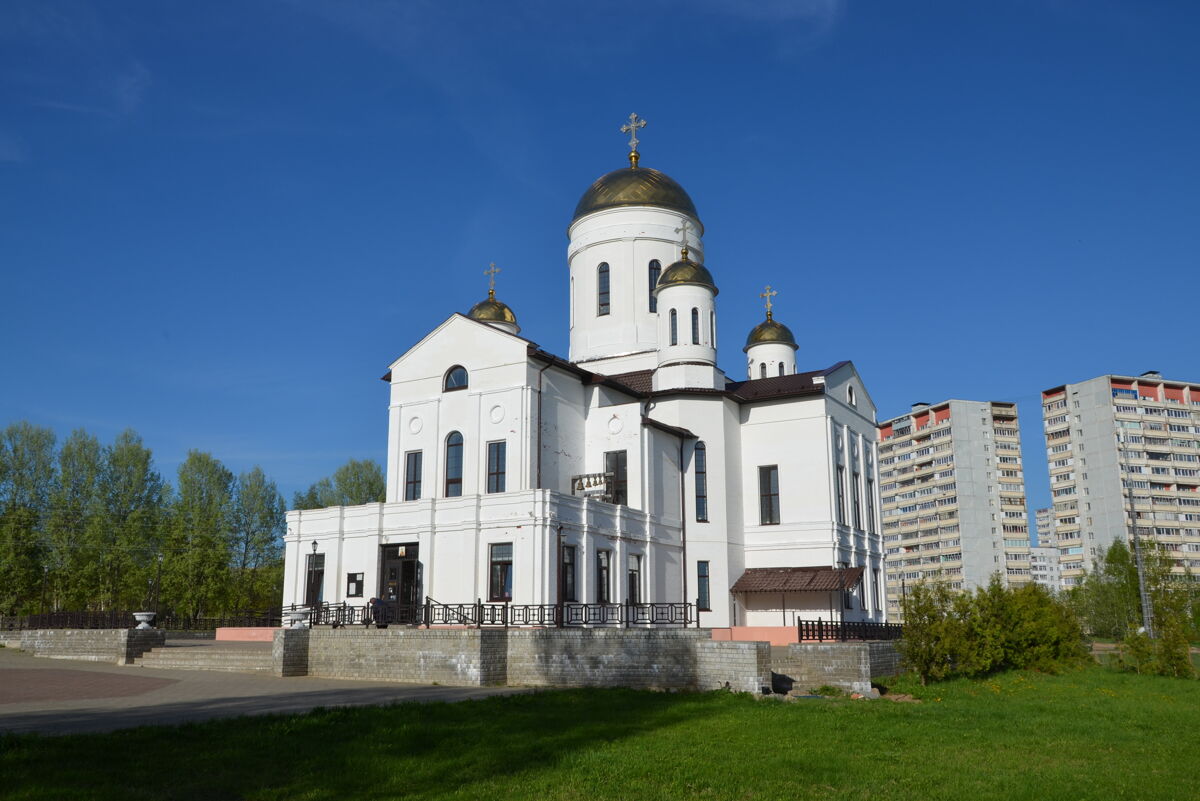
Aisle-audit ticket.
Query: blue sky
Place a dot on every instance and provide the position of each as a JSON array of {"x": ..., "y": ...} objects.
[{"x": 220, "y": 222}]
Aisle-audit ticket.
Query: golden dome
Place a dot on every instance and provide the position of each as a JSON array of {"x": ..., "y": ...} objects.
[
  {"x": 493, "y": 311},
  {"x": 635, "y": 186},
  {"x": 686, "y": 271},
  {"x": 770, "y": 331}
]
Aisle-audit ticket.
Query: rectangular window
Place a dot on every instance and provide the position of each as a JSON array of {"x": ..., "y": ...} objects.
[
  {"x": 354, "y": 585},
  {"x": 655, "y": 272},
  {"x": 496, "y": 457},
  {"x": 701, "y": 464},
  {"x": 500, "y": 584},
  {"x": 841, "y": 495},
  {"x": 568, "y": 573},
  {"x": 616, "y": 463},
  {"x": 857, "y": 503},
  {"x": 633, "y": 589},
  {"x": 871, "y": 509},
  {"x": 603, "y": 577},
  {"x": 412, "y": 476},
  {"x": 768, "y": 494},
  {"x": 702, "y": 597}
]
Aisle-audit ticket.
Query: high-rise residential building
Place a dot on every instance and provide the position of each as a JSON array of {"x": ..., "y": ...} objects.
[
  {"x": 1044, "y": 520},
  {"x": 1043, "y": 564},
  {"x": 953, "y": 497},
  {"x": 1116, "y": 440}
]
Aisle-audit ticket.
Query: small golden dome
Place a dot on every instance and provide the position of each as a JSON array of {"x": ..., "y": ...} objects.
[
  {"x": 635, "y": 186},
  {"x": 686, "y": 271},
  {"x": 493, "y": 311},
  {"x": 770, "y": 331}
]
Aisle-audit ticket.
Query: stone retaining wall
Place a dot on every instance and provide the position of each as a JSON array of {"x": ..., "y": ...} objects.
[
  {"x": 639, "y": 658},
  {"x": 847, "y": 665},
  {"x": 119, "y": 646}
]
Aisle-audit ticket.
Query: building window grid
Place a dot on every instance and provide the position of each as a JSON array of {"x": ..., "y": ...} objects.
[
  {"x": 412, "y": 475},
  {"x": 654, "y": 272},
  {"x": 496, "y": 457},
  {"x": 701, "y": 470},
  {"x": 500, "y": 558},
  {"x": 768, "y": 493},
  {"x": 602, "y": 290}
]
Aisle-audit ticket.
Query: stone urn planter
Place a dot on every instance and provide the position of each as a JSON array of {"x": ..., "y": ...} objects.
[
  {"x": 295, "y": 618},
  {"x": 144, "y": 619}
]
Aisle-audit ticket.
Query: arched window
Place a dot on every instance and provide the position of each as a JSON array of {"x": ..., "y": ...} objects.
[
  {"x": 454, "y": 464},
  {"x": 456, "y": 378},
  {"x": 762, "y": 369},
  {"x": 781, "y": 368},
  {"x": 695, "y": 326},
  {"x": 701, "y": 466},
  {"x": 674, "y": 329},
  {"x": 850, "y": 395},
  {"x": 712, "y": 328},
  {"x": 602, "y": 289},
  {"x": 655, "y": 272}
]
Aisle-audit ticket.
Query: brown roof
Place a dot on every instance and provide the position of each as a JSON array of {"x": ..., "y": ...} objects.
[
  {"x": 638, "y": 380},
  {"x": 798, "y": 579}
]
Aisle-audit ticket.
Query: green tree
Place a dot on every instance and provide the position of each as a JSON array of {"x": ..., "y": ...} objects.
[
  {"x": 196, "y": 568},
  {"x": 75, "y": 523},
  {"x": 1107, "y": 600},
  {"x": 356, "y": 482},
  {"x": 135, "y": 513},
  {"x": 27, "y": 472},
  {"x": 258, "y": 524},
  {"x": 930, "y": 630}
]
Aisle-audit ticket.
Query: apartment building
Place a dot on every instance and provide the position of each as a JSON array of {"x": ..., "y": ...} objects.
[
  {"x": 953, "y": 497},
  {"x": 1044, "y": 520},
  {"x": 1116, "y": 440},
  {"x": 1043, "y": 565}
]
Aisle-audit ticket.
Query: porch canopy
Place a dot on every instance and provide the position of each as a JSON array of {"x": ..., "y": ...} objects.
[{"x": 798, "y": 579}]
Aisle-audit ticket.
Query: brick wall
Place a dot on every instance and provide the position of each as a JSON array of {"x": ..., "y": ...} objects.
[
  {"x": 463, "y": 657},
  {"x": 119, "y": 646},
  {"x": 847, "y": 665}
]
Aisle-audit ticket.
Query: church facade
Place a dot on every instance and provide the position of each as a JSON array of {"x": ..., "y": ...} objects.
[{"x": 632, "y": 471}]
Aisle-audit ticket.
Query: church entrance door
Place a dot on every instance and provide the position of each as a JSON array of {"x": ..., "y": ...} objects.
[{"x": 400, "y": 574}]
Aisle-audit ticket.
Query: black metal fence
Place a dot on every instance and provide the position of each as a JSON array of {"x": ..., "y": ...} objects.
[
  {"x": 840, "y": 631},
  {"x": 480, "y": 614},
  {"x": 121, "y": 619},
  {"x": 430, "y": 613}
]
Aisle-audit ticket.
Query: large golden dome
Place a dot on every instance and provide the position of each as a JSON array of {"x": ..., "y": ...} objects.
[
  {"x": 686, "y": 271},
  {"x": 635, "y": 186},
  {"x": 770, "y": 330},
  {"x": 493, "y": 311}
]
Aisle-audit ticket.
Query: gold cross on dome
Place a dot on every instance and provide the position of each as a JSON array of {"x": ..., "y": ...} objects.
[
  {"x": 631, "y": 128},
  {"x": 490, "y": 272},
  {"x": 770, "y": 293}
]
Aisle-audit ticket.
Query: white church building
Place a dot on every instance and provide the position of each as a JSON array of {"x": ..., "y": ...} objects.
[{"x": 632, "y": 471}]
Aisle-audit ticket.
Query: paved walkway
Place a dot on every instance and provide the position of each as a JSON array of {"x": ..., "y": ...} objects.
[{"x": 58, "y": 696}]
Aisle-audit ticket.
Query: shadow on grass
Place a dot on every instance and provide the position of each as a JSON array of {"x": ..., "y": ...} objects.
[{"x": 411, "y": 750}]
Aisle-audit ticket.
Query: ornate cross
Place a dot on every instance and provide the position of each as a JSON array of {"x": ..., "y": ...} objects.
[
  {"x": 770, "y": 293},
  {"x": 631, "y": 128},
  {"x": 491, "y": 274},
  {"x": 685, "y": 225}
]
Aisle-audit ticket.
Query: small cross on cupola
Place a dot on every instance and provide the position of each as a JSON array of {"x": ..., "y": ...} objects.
[
  {"x": 768, "y": 294},
  {"x": 631, "y": 128},
  {"x": 490, "y": 272}
]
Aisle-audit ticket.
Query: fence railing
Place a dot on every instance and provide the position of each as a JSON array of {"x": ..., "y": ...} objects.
[
  {"x": 430, "y": 613},
  {"x": 840, "y": 631},
  {"x": 122, "y": 619}
]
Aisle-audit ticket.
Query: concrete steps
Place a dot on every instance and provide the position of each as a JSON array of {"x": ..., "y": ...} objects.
[{"x": 235, "y": 657}]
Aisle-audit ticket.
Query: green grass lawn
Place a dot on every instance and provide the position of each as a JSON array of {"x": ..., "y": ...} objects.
[{"x": 1089, "y": 734}]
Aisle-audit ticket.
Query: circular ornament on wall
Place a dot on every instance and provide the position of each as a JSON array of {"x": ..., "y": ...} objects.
[
  {"x": 615, "y": 425},
  {"x": 496, "y": 414},
  {"x": 414, "y": 425}
]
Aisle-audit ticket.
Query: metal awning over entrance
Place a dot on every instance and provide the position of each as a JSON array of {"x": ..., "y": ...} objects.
[{"x": 798, "y": 579}]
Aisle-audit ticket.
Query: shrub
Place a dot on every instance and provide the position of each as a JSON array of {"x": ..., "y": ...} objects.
[{"x": 993, "y": 628}]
